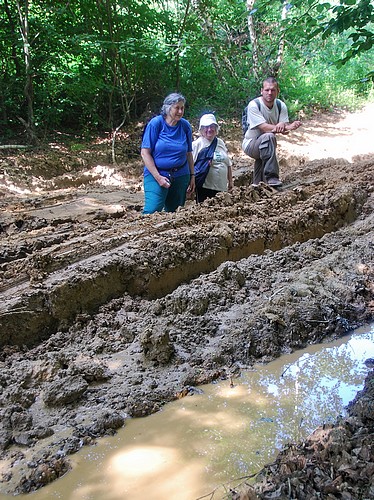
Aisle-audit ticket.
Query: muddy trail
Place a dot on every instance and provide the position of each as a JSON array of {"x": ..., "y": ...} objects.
[{"x": 106, "y": 314}]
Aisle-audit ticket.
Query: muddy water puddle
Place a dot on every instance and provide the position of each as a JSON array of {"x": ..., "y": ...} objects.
[{"x": 207, "y": 442}]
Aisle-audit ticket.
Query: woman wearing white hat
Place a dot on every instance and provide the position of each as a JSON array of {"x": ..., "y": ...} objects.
[{"x": 219, "y": 177}]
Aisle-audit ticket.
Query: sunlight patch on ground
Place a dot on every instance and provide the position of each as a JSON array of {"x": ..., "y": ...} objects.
[
  {"x": 137, "y": 471},
  {"x": 15, "y": 189},
  {"x": 139, "y": 461},
  {"x": 106, "y": 176},
  {"x": 346, "y": 138},
  {"x": 224, "y": 419}
]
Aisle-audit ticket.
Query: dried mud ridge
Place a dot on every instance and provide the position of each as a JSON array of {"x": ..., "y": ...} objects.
[{"x": 110, "y": 317}]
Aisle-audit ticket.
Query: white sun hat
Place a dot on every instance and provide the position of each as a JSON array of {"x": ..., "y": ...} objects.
[{"x": 208, "y": 119}]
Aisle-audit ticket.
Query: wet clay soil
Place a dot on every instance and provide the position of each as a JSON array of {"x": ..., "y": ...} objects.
[{"x": 107, "y": 314}]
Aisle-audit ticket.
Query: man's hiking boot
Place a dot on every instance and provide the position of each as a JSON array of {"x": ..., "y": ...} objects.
[{"x": 274, "y": 182}]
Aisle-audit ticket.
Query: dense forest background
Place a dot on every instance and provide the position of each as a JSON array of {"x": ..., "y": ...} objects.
[{"x": 94, "y": 65}]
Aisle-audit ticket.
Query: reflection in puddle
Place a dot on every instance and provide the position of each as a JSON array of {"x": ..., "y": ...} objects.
[{"x": 200, "y": 442}]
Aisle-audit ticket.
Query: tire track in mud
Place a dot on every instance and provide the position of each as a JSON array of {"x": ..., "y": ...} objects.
[{"x": 151, "y": 256}]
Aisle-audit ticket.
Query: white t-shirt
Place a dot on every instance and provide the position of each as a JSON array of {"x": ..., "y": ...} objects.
[
  {"x": 217, "y": 175},
  {"x": 263, "y": 115}
]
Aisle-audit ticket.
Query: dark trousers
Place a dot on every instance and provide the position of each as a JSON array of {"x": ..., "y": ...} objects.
[{"x": 204, "y": 193}]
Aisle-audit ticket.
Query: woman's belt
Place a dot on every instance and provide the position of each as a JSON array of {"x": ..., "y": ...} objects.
[{"x": 171, "y": 170}]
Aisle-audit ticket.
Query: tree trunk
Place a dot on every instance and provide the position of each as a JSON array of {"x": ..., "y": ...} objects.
[
  {"x": 217, "y": 59},
  {"x": 13, "y": 30},
  {"x": 282, "y": 42},
  {"x": 178, "y": 48},
  {"x": 28, "y": 88},
  {"x": 253, "y": 38}
]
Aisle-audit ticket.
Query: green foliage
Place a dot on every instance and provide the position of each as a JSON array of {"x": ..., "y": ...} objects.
[
  {"x": 313, "y": 81},
  {"x": 353, "y": 16},
  {"x": 96, "y": 64}
]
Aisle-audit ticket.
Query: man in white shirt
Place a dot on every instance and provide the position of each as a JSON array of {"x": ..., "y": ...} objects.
[{"x": 267, "y": 116}]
